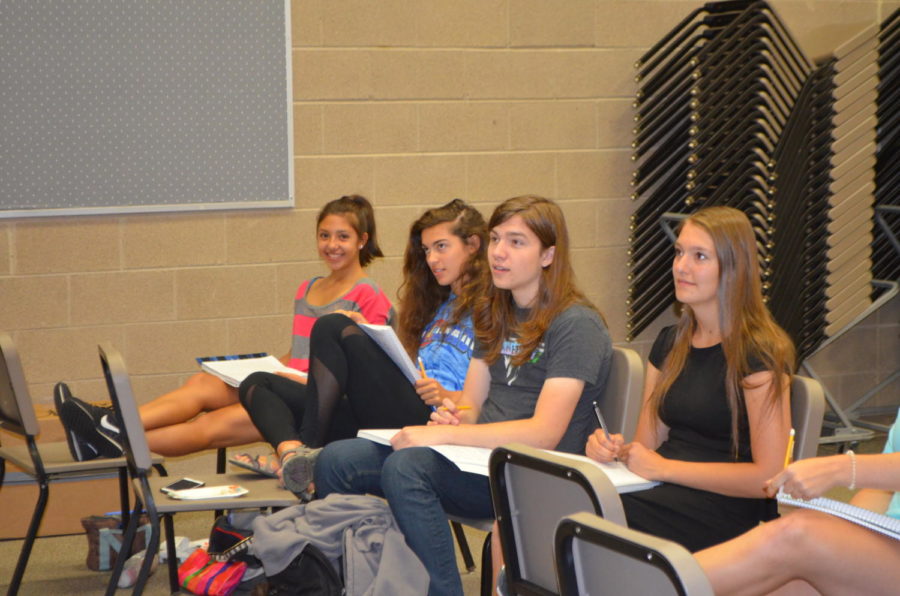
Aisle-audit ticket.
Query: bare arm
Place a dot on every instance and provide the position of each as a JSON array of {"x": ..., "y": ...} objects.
[
  {"x": 810, "y": 478},
  {"x": 552, "y": 414},
  {"x": 769, "y": 429}
]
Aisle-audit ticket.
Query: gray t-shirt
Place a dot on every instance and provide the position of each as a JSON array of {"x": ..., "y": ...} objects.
[{"x": 577, "y": 346}]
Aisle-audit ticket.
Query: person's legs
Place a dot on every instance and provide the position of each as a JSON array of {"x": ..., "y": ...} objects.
[
  {"x": 422, "y": 487},
  {"x": 202, "y": 392},
  {"x": 825, "y": 553},
  {"x": 346, "y": 361},
  {"x": 351, "y": 466},
  {"x": 275, "y": 404},
  {"x": 225, "y": 427}
]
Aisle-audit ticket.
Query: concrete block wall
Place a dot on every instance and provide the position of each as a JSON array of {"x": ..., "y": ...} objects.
[{"x": 411, "y": 103}]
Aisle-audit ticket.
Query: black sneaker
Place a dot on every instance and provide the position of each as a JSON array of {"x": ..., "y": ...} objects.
[
  {"x": 92, "y": 425},
  {"x": 80, "y": 449}
]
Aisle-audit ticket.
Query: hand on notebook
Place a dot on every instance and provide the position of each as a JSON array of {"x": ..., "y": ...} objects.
[
  {"x": 642, "y": 461},
  {"x": 812, "y": 477},
  {"x": 602, "y": 447}
]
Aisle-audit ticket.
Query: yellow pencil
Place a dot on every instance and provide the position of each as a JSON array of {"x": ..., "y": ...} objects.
[
  {"x": 422, "y": 368},
  {"x": 458, "y": 408},
  {"x": 790, "y": 449}
]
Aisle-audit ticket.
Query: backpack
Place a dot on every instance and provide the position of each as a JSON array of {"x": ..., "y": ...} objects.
[{"x": 309, "y": 574}]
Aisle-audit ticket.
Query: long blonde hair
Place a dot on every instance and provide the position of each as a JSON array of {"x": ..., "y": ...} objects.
[
  {"x": 495, "y": 315},
  {"x": 747, "y": 327}
]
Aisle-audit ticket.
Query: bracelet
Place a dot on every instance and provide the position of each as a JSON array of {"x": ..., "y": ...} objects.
[{"x": 852, "y": 485}]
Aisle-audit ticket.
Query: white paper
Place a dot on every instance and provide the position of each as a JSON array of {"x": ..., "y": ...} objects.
[
  {"x": 387, "y": 340},
  {"x": 235, "y": 371}
]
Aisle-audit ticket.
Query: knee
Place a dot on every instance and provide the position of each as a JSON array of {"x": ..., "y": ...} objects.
[
  {"x": 341, "y": 464},
  {"x": 407, "y": 470},
  {"x": 245, "y": 391},
  {"x": 796, "y": 532},
  {"x": 329, "y": 326}
]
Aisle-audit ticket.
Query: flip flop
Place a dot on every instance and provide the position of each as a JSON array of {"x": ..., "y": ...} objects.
[{"x": 256, "y": 463}]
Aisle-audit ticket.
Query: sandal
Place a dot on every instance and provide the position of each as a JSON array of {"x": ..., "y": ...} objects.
[
  {"x": 266, "y": 465},
  {"x": 297, "y": 466}
]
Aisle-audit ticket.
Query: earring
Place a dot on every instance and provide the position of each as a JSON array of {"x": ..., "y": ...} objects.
[{"x": 360, "y": 246}]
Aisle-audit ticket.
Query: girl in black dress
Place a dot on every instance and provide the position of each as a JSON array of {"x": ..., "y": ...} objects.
[{"x": 716, "y": 416}]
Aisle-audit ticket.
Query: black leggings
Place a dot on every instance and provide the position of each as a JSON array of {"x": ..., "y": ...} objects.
[{"x": 352, "y": 384}]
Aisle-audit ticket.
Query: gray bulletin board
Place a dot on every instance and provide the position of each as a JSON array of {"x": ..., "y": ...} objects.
[{"x": 117, "y": 106}]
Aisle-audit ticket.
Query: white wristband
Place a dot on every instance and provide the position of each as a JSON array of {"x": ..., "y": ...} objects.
[{"x": 852, "y": 485}]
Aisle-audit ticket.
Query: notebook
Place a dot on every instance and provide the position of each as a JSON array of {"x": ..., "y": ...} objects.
[
  {"x": 235, "y": 370},
  {"x": 883, "y": 524},
  {"x": 387, "y": 340},
  {"x": 475, "y": 460}
]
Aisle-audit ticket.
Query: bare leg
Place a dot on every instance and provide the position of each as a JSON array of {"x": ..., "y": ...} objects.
[
  {"x": 225, "y": 427},
  {"x": 202, "y": 392},
  {"x": 827, "y": 554}
]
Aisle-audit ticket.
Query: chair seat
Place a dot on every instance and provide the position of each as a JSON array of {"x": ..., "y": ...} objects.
[
  {"x": 262, "y": 493},
  {"x": 485, "y": 525},
  {"x": 57, "y": 460}
]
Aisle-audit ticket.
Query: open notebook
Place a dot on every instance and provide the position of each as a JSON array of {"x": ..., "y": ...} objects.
[
  {"x": 475, "y": 460},
  {"x": 233, "y": 371},
  {"x": 888, "y": 526}
]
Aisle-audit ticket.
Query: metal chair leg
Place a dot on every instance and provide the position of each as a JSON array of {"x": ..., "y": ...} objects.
[
  {"x": 33, "y": 528},
  {"x": 487, "y": 567},
  {"x": 464, "y": 550}
]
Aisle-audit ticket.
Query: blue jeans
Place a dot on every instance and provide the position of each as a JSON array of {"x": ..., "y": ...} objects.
[{"x": 420, "y": 485}]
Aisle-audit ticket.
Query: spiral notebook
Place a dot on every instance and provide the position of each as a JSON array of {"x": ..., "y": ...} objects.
[{"x": 869, "y": 519}]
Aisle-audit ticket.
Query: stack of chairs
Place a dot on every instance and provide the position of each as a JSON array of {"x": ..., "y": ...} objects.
[
  {"x": 730, "y": 112},
  {"x": 714, "y": 98},
  {"x": 886, "y": 243}
]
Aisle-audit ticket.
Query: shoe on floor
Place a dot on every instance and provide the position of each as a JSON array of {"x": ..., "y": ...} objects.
[{"x": 89, "y": 428}]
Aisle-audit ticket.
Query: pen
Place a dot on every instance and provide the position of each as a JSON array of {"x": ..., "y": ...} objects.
[
  {"x": 790, "y": 449},
  {"x": 602, "y": 422}
]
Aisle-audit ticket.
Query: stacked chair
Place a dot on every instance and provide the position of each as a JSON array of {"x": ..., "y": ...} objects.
[
  {"x": 886, "y": 246},
  {"x": 729, "y": 111},
  {"x": 714, "y": 98}
]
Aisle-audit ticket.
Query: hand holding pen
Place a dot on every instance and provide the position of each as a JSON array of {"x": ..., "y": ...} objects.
[
  {"x": 602, "y": 446},
  {"x": 447, "y": 413}
]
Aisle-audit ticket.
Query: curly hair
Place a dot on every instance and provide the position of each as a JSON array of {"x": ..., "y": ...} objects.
[{"x": 420, "y": 294}]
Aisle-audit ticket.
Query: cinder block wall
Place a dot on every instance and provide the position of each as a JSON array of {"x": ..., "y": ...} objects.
[{"x": 411, "y": 103}]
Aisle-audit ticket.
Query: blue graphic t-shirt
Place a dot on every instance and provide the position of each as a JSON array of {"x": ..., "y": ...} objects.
[
  {"x": 893, "y": 446},
  {"x": 446, "y": 349}
]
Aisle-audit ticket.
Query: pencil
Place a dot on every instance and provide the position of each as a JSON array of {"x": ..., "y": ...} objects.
[
  {"x": 458, "y": 408},
  {"x": 790, "y": 449},
  {"x": 422, "y": 368}
]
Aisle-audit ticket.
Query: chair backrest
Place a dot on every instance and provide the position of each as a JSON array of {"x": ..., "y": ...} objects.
[
  {"x": 137, "y": 451},
  {"x": 594, "y": 555},
  {"x": 16, "y": 409},
  {"x": 621, "y": 399},
  {"x": 531, "y": 491},
  {"x": 807, "y": 414}
]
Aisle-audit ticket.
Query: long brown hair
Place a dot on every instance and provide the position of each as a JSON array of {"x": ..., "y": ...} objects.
[
  {"x": 362, "y": 220},
  {"x": 495, "y": 313},
  {"x": 747, "y": 327},
  {"x": 420, "y": 293}
]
